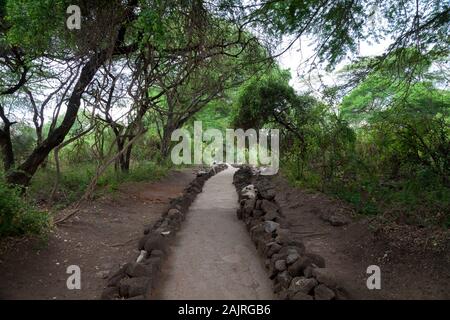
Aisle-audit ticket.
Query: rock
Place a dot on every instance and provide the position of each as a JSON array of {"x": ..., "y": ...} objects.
[
  {"x": 280, "y": 265},
  {"x": 298, "y": 267},
  {"x": 301, "y": 296},
  {"x": 110, "y": 293},
  {"x": 154, "y": 263},
  {"x": 269, "y": 207},
  {"x": 308, "y": 272},
  {"x": 277, "y": 288},
  {"x": 316, "y": 259},
  {"x": 175, "y": 214},
  {"x": 249, "y": 192},
  {"x": 322, "y": 292},
  {"x": 249, "y": 205},
  {"x": 154, "y": 242},
  {"x": 116, "y": 276},
  {"x": 139, "y": 270},
  {"x": 257, "y": 213},
  {"x": 268, "y": 194},
  {"x": 324, "y": 276},
  {"x": 272, "y": 216},
  {"x": 291, "y": 258},
  {"x": 273, "y": 248},
  {"x": 284, "y": 236},
  {"x": 157, "y": 253},
  {"x": 131, "y": 287},
  {"x": 270, "y": 226},
  {"x": 283, "y": 295},
  {"x": 284, "y": 279},
  {"x": 141, "y": 297},
  {"x": 302, "y": 284}
]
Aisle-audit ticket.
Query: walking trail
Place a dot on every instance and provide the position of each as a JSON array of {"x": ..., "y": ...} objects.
[{"x": 213, "y": 257}]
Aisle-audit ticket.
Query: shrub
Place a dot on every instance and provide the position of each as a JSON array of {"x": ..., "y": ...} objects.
[{"x": 17, "y": 217}]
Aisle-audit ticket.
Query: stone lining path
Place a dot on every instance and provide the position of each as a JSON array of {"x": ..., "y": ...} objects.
[{"x": 213, "y": 257}]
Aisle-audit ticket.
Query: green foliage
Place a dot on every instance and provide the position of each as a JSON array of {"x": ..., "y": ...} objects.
[{"x": 18, "y": 217}]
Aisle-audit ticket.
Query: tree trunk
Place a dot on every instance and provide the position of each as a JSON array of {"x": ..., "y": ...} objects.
[
  {"x": 28, "y": 168},
  {"x": 6, "y": 147}
]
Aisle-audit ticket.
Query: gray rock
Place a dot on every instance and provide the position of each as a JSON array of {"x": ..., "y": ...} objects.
[
  {"x": 308, "y": 272},
  {"x": 301, "y": 296},
  {"x": 157, "y": 253},
  {"x": 139, "y": 270},
  {"x": 284, "y": 279},
  {"x": 249, "y": 205},
  {"x": 257, "y": 213},
  {"x": 280, "y": 265},
  {"x": 292, "y": 257},
  {"x": 297, "y": 268},
  {"x": 302, "y": 284},
  {"x": 269, "y": 207},
  {"x": 132, "y": 287},
  {"x": 325, "y": 276},
  {"x": 322, "y": 292},
  {"x": 268, "y": 194},
  {"x": 273, "y": 248},
  {"x": 270, "y": 226},
  {"x": 110, "y": 293},
  {"x": 116, "y": 276}
]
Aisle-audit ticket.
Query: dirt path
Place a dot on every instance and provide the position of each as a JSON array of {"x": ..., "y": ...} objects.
[
  {"x": 213, "y": 257},
  {"x": 102, "y": 236},
  {"x": 349, "y": 250}
]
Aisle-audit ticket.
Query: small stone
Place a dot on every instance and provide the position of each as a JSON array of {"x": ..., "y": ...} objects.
[
  {"x": 274, "y": 248},
  {"x": 131, "y": 287},
  {"x": 270, "y": 226},
  {"x": 322, "y": 292},
  {"x": 284, "y": 279},
  {"x": 110, "y": 293},
  {"x": 292, "y": 257},
  {"x": 269, "y": 207},
  {"x": 297, "y": 268},
  {"x": 325, "y": 276},
  {"x": 302, "y": 284},
  {"x": 280, "y": 265},
  {"x": 139, "y": 270},
  {"x": 308, "y": 272},
  {"x": 301, "y": 296}
]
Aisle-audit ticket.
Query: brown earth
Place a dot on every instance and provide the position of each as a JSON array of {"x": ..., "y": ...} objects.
[
  {"x": 410, "y": 268},
  {"x": 101, "y": 236}
]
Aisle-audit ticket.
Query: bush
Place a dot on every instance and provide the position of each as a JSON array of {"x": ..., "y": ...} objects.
[{"x": 17, "y": 217}]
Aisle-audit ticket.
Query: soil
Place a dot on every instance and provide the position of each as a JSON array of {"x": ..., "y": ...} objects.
[
  {"x": 101, "y": 236},
  {"x": 408, "y": 270},
  {"x": 213, "y": 256}
]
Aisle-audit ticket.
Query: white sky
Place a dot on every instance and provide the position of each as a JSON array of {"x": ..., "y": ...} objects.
[{"x": 303, "y": 49}]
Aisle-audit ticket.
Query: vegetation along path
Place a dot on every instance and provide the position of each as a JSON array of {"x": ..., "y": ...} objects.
[{"x": 213, "y": 257}]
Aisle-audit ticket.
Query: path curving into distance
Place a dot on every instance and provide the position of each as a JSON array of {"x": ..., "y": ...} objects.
[{"x": 213, "y": 256}]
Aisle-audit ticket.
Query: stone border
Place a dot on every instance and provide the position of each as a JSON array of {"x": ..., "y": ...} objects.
[
  {"x": 137, "y": 280},
  {"x": 296, "y": 273}
]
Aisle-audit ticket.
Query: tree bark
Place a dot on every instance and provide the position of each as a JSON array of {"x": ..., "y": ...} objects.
[{"x": 27, "y": 169}]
